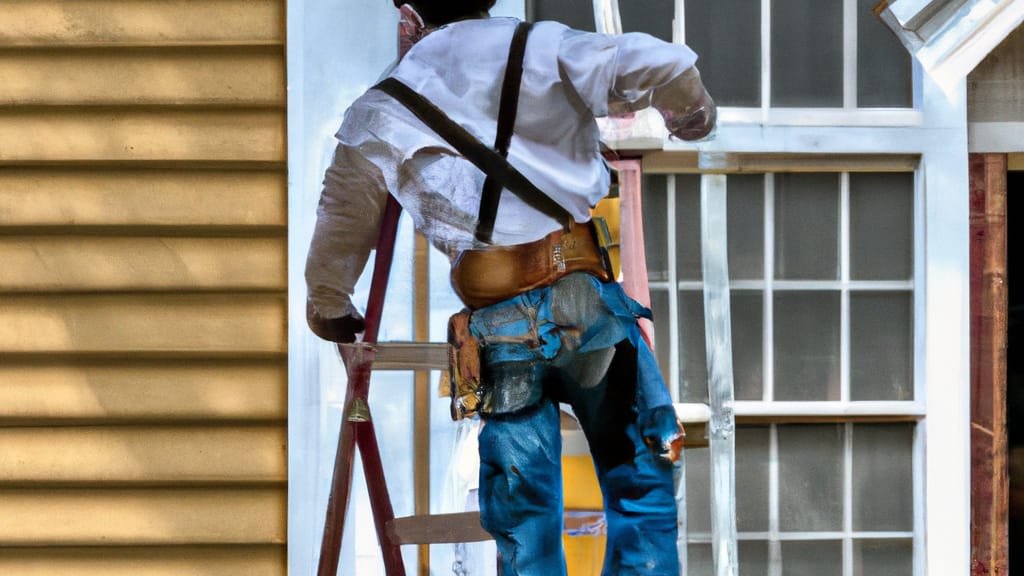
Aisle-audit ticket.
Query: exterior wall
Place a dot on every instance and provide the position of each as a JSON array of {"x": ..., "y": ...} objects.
[
  {"x": 995, "y": 91},
  {"x": 996, "y": 86},
  {"x": 143, "y": 288}
]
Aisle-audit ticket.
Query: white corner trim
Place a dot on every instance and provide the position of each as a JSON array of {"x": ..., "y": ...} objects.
[
  {"x": 963, "y": 40},
  {"x": 995, "y": 137}
]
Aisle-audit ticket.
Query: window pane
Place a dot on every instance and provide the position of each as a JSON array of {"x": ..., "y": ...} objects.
[
  {"x": 699, "y": 557},
  {"x": 747, "y": 345},
  {"x": 753, "y": 557},
  {"x": 810, "y": 478},
  {"x": 745, "y": 224},
  {"x": 806, "y": 333},
  {"x": 698, "y": 493},
  {"x": 693, "y": 366},
  {"x": 881, "y": 346},
  {"x": 654, "y": 17},
  {"x": 883, "y": 557},
  {"x": 813, "y": 558},
  {"x": 655, "y": 213},
  {"x": 807, "y": 226},
  {"x": 881, "y": 226},
  {"x": 883, "y": 477},
  {"x": 688, "y": 260},
  {"x": 662, "y": 342},
  {"x": 730, "y": 68},
  {"x": 883, "y": 65},
  {"x": 573, "y": 13},
  {"x": 751, "y": 479},
  {"x": 751, "y": 483},
  {"x": 807, "y": 53}
]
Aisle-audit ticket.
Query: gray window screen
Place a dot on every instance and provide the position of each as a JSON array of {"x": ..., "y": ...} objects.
[
  {"x": 807, "y": 54},
  {"x": 883, "y": 65},
  {"x": 654, "y": 17},
  {"x": 726, "y": 34},
  {"x": 577, "y": 14}
]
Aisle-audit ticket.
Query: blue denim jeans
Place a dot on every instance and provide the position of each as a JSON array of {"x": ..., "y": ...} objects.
[{"x": 576, "y": 342}]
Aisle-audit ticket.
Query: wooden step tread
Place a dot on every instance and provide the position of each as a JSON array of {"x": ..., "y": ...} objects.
[{"x": 437, "y": 529}]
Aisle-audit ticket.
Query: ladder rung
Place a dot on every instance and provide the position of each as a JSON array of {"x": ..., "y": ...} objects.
[
  {"x": 437, "y": 529},
  {"x": 411, "y": 356}
]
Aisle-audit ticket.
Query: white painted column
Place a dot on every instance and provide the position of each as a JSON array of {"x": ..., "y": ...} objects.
[{"x": 718, "y": 330}]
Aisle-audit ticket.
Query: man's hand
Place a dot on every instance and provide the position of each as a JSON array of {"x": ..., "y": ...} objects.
[
  {"x": 698, "y": 123},
  {"x": 342, "y": 330},
  {"x": 689, "y": 112}
]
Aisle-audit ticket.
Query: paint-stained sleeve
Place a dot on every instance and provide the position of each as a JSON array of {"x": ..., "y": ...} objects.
[
  {"x": 615, "y": 74},
  {"x": 620, "y": 71},
  {"x": 348, "y": 222}
]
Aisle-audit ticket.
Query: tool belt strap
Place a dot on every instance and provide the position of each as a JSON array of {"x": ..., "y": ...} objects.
[
  {"x": 499, "y": 172},
  {"x": 490, "y": 275}
]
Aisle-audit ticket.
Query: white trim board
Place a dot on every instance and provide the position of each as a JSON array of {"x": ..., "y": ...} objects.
[{"x": 995, "y": 137}]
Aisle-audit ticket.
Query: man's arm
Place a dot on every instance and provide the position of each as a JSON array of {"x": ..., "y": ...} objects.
[
  {"x": 348, "y": 223},
  {"x": 627, "y": 72}
]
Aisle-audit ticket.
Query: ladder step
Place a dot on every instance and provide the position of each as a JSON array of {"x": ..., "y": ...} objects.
[
  {"x": 411, "y": 356},
  {"x": 437, "y": 529}
]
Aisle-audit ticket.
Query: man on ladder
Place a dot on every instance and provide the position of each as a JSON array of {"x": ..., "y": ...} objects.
[{"x": 546, "y": 322}]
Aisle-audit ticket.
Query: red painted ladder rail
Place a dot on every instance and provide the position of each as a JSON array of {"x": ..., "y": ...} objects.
[{"x": 357, "y": 431}]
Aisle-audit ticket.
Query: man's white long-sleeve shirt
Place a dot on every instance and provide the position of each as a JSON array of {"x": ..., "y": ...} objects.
[{"x": 569, "y": 78}]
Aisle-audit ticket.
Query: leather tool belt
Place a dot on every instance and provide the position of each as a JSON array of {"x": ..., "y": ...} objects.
[{"x": 490, "y": 275}]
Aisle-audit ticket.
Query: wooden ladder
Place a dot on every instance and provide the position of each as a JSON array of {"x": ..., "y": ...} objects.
[{"x": 357, "y": 430}]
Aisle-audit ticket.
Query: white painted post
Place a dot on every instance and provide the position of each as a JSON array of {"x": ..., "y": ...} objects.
[{"x": 717, "y": 319}]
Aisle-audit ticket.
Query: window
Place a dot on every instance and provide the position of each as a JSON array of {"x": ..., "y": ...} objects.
[
  {"x": 821, "y": 269},
  {"x": 822, "y": 306}
]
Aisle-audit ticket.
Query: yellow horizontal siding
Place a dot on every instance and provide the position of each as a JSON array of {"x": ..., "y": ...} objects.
[
  {"x": 158, "y": 516},
  {"x": 116, "y": 76},
  {"x": 160, "y": 391},
  {"x": 143, "y": 325},
  {"x": 144, "y": 561},
  {"x": 143, "y": 455},
  {"x": 103, "y": 22},
  {"x": 148, "y": 135},
  {"x": 51, "y": 196},
  {"x": 160, "y": 323},
  {"x": 101, "y": 263}
]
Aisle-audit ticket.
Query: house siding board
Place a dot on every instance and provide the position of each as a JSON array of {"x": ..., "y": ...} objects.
[
  {"x": 144, "y": 561},
  {"x": 41, "y": 391},
  {"x": 86, "y": 197},
  {"x": 143, "y": 215}
]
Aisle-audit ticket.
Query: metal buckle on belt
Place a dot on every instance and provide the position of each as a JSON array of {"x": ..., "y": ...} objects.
[{"x": 558, "y": 257}]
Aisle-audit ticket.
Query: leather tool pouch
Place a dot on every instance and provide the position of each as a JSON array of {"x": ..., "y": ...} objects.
[{"x": 463, "y": 367}]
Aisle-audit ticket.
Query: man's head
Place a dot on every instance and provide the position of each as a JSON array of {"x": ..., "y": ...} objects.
[{"x": 441, "y": 12}]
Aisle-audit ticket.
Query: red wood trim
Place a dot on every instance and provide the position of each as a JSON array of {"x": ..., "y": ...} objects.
[{"x": 989, "y": 480}]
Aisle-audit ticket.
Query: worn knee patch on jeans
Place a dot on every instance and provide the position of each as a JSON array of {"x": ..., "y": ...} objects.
[{"x": 511, "y": 386}]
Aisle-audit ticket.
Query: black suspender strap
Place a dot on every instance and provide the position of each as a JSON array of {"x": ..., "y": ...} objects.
[
  {"x": 491, "y": 162},
  {"x": 507, "y": 108}
]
